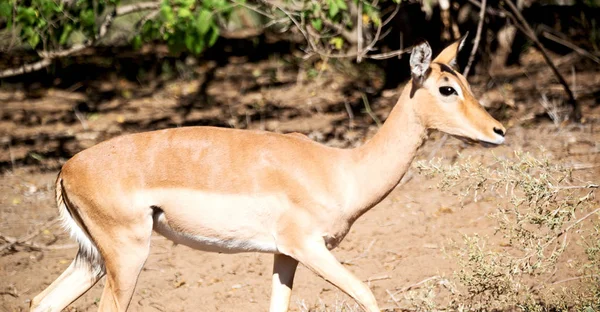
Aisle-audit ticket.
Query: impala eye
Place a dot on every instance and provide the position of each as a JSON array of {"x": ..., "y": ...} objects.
[{"x": 448, "y": 91}]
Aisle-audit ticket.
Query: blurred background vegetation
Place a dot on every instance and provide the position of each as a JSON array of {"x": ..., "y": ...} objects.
[{"x": 34, "y": 34}]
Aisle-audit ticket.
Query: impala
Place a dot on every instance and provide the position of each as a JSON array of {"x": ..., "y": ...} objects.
[{"x": 230, "y": 191}]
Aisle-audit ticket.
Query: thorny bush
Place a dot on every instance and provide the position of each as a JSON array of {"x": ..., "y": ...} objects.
[{"x": 542, "y": 213}]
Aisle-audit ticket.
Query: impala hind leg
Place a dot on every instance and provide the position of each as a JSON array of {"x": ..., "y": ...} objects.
[
  {"x": 124, "y": 258},
  {"x": 70, "y": 285},
  {"x": 319, "y": 259},
  {"x": 284, "y": 269}
]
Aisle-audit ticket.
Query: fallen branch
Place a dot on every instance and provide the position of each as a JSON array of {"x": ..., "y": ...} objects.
[
  {"x": 574, "y": 279},
  {"x": 378, "y": 278},
  {"x": 362, "y": 255},
  {"x": 37, "y": 247},
  {"x": 409, "y": 287},
  {"x": 17, "y": 241},
  {"x": 26, "y": 68},
  {"x": 527, "y": 31}
]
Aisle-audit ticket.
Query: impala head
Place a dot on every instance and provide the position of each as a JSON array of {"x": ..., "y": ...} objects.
[{"x": 444, "y": 100}]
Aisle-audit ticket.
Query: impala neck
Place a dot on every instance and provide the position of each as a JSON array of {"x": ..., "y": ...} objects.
[{"x": 381, "y": 163}]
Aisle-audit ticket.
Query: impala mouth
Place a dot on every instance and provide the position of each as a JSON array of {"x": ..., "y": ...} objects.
[{"x": 484, "y": 143}]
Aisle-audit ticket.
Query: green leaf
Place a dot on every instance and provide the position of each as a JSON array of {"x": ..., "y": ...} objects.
[
  {"x": 184, "y": 13},
  {"x": 317, "y": 24},
  {"x": 184, "y": 3},
  {"x": 213, "y": 36},
  {"x": 87, "y": 17},
  {"x": 64, "y": 36},
  {"x": 137, "y": 42},
  {"x": 33, "y": 40},
  {"x": 203, "y": 22},
  {"x": 342, "y": 4},
  {"x": 189, "y": 42},
  {"x": 337, "y": 42},
  {"x": 166, "y": 12},
  {"x": 333, "y": 8},
  {"x": 316, "y": 9},
  {"x": 198, "y": 47},
  {"x": 26, "y": 15},
  {"x": 5, "y": 10},
  {"x": 41, "y": 23}
]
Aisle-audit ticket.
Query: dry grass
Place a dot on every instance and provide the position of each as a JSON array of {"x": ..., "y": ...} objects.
[{"x": 542, "y": 214}]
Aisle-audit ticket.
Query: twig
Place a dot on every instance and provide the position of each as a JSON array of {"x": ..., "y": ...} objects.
[
  {"x": 389, "y": 19},
  {"x": 302, "y": 31},
  {"x": 362, "y": 255},
  {"x": 570, "y": 45},
  {"x": 394, "y": 299},
  {"x": 576, "y": 222},
  {"x": 573, "y": 279},
  {"x": 409, "y": 287},
  {"x": 255, "y": 9},
  {"x": 584, "y": 166},
  {"x": 10, "y": 293},
  {"x": 147, "y": 17},
  {"x": 369, "y": 111},
  {"x": 372, "y": 43},
  {"x": 386, "y": 55},
  {"x": 437, "y": 147},
  {"x": 359, "y": 35},
  {"x": 572, "y": 187},
  {"x": 489, "y": 10},
  {"x": 378, "y": 278},
  {"x": 477, "y": 38},
  {"x": 528, "y": 256},
  {"x": 576, "y": 113},
  {"x": 14, "y": 241},
  {"x": 350, "y": 114},
  {"x": 37, "y": 247}
]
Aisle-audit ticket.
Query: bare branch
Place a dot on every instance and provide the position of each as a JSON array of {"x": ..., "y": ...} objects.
[
  {"x": 136, "y": 7},
  {"x": 526, "y": 29},
  {"x": 570, "y": 45},
  {"x": 387, "y": 55},
  {"x": 359, "y": 35},
  {"x": 490, "y": 11},
  {"x": 372, "y": 43},
  {"x": 477, "y": 38},
  {"x": 27, "y": 68}
]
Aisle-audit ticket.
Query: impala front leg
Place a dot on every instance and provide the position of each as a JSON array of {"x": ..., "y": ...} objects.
[
  {"x": 284, "y": 269},
  {"x": 315, "y": 255}
]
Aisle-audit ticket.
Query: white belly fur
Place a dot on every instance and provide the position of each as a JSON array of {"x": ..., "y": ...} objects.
[{"x": 215, "y": 222}]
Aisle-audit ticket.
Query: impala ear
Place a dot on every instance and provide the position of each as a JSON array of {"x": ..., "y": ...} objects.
[
  {"x": 420, "y": 58},
  {"x": 448, "y": 55}
]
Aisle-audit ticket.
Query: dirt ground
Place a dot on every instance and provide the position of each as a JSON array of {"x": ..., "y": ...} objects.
[{"x": 396, "y": 245}]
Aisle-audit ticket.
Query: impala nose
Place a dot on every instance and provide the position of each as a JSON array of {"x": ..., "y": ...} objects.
[{"x": 499, "y": 131}]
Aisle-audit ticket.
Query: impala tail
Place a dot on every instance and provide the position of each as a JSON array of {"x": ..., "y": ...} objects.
[
  {"x": 85, "y": 270},
  {"x": 88, "y": 253}
]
